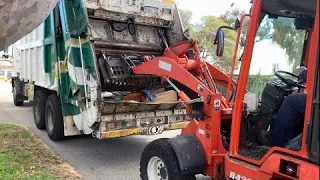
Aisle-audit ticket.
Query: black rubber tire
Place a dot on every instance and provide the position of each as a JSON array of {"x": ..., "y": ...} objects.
[
  {"x": 53, "y": 109},
  {"x": 16, "y": 101},
  {"x": 39, "y": 104},
  {"x": 162, "y": 149}
]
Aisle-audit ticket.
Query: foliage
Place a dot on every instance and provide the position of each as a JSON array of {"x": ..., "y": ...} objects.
[
  {"x": 205, "y": 33},
  {"x": 289, "y": 39},
  {"x": 282, "y": 31},
  {"x": 230, "y": 18},
  {"x": 186, "y": 16},
  {"x": 285, "y": 34}
]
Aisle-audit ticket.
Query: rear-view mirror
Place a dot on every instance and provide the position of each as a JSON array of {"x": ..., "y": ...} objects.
[
  {"x": 237, "y": 24},
  {"x": 219, "y": 41}
]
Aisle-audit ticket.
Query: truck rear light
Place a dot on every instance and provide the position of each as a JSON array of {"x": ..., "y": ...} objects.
[
  {"x": 166, "y": 11},
  {"x": 112, "y": 125}
]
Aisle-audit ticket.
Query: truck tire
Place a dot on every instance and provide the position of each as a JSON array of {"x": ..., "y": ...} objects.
[
  {"x": 159, "y": 162},
  {"x": 53, "y": 118},
  {"x": 39, "y": 107},
  {"x": 16, "y": 100}
]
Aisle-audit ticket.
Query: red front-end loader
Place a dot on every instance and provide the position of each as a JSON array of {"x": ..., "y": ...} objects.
[{"x": 214, "y": 143}]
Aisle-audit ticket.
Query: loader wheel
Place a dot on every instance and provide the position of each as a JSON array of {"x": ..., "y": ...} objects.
[
  {"x": 54, "y": 119},
  {"x": 16, "y": 100},
  {"x": 159, "y": 162},
  {"x": 39, "y": 107}
]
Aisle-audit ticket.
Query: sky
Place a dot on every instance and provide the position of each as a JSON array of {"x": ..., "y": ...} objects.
[
  {"x": 201, "y": 8},
  {"x": 266, "y": 53}
]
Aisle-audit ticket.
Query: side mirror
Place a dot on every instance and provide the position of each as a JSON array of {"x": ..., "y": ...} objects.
[
  {"x": 219, "y": 41},
  {"x": 186, "y": 34},
  {"x": 237, "y": 24}
]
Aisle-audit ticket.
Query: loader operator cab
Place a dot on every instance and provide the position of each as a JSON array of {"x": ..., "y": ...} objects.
[
  {"x": 222, "y": 144},
  {"x": 284, "y": 80},
  {"x": 282, "y": 40}
]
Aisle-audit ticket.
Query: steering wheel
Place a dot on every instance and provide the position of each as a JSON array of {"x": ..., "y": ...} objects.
[{"x": 287, "y": 81}]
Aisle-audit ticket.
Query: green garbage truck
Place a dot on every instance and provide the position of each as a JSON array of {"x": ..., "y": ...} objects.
[{"x": 75, "y": 69}]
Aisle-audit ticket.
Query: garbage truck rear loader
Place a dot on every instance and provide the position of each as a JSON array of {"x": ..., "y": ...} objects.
[{"x": 75, "y": 68}]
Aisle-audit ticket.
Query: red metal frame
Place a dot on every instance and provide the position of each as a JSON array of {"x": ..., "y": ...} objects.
[
  {"x": 310, "y": 58},
  {"x": 198, "y": 76},
  {"x": 235, "y": 55},
  {"x": 269, "y": 164},
  {"x": 244, "y": 74}
]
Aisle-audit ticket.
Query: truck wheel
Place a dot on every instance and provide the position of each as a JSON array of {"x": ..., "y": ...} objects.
[
  {"x": 39, "y": 107},
  {"x": 16, "y": 100},
  {"x": 54, "y": 119},
  {"x": 159, "y": 162}
]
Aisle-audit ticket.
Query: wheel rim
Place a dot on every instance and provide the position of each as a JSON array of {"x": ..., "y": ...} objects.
[
  {"x": 50, "y": 119},
  {"x": 156, "y": 169}
]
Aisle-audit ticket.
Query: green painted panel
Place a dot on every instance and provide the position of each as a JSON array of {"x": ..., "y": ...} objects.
[
  {"x": 70, "y": 22},
  {"x": 50, "y": 54}
]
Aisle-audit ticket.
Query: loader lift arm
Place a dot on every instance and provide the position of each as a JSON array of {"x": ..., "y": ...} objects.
[
  {"x": 201, "y": 147},
  {"x": 191, "y": 72},
  {"x": 197, "y": 75}
]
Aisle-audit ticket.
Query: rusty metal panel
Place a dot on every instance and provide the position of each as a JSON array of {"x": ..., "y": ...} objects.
[
  {"x": 144, "y": 114},
  {"x": 125, "y": 107},
  {"x": 104, "y": 133},
  {"x": 145, "y": 38},
  {"x": 149, "y": 12},
  {"x": 164, "y": 113}
]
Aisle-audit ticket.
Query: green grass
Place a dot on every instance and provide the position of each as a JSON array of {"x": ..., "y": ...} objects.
[{"x": 23, "y": 156}]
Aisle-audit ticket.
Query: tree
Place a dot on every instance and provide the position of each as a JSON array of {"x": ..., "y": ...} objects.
[
  {"x": 205, "y": 33},
  {"x": 290, "y": 39},
  {"x": 283, "y": 32},
  {"x": 230, "y": 18},
  {"x": 186, "y": 16}
]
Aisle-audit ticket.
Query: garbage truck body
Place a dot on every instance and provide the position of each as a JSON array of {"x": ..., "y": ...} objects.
[{"x": 75, "y": 68}]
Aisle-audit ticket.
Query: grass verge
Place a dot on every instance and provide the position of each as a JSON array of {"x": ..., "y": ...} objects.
[{"x": 24, "y": 156}]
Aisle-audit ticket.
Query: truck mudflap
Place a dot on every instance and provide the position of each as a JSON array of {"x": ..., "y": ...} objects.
[{"x": 120, "y": 119}]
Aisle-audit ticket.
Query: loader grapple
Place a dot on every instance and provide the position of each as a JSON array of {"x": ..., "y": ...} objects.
[{"x": 117, "y": 75}]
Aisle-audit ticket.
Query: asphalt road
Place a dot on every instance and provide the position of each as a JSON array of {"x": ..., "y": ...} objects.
[{"x": 111, "y": 159}]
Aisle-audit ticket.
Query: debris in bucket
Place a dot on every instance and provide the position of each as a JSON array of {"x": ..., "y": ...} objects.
[
  {"x": 113, "y": 96},
  {"x": 149, "y": 94},
  {"x": 152, "y": 96},
  {"x": 133, "y": 97},
  {"x": 165, "y": 97},
  {"x": 106, "y": 94}
]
